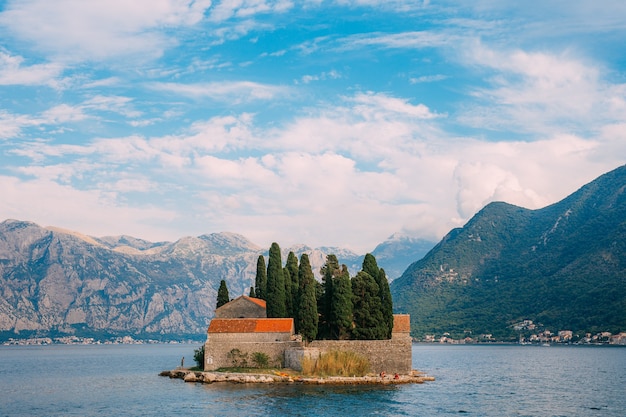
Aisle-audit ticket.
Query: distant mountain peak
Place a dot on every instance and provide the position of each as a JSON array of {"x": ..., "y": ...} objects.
[
  {"x": 399, "y": 251},
  {"x": 400, "y": 236},
  {"x": 229, "y": 241},
  {"x": 72, "y": 233}
]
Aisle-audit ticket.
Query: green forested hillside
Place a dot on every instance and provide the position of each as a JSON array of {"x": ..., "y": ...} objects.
[{"x": 563, "y": 266}]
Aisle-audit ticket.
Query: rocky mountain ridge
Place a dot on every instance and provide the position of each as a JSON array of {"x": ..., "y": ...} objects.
[{"x": 56, "y": 281}]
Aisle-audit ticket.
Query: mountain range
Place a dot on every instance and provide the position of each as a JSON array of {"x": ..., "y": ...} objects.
[
  {"x": 60, "y": 282},
  {"x": 562, "y": 266}
]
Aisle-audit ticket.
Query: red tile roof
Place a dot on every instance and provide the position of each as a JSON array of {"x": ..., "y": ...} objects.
[
  {"x": 274, "y": 325},
  {"x": 252, "y": 325},
  {"x": 256, "y": 301}
]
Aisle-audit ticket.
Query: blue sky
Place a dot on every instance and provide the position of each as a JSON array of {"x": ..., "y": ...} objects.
[{"x": 330, "y": 123}]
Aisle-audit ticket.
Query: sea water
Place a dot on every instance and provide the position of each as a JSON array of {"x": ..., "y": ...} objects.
[{"x": 486, "y": 380}]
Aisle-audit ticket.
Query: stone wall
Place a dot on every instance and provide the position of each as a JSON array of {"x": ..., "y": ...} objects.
[
  {"x": 391, "y": 356},
  {"x": 217, "y": 348}
]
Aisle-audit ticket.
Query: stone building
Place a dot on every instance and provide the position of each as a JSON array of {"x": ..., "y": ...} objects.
[
  {"x": 247, "y": 336},
  {"x": 241, "y": 330},
  {"x": 242, "y": 307}
]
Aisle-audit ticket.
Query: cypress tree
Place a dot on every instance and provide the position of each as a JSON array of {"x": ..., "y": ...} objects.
[
  {"x": 367, "y": 310},
  {"x": 307, "y": 318},
  {"x": 288, "y": 299},
  {"x": 275, "y": 296},
  {"x": 260, "y": 281},
  {"x": 329, "y": 271},
  {"x": 341, "y": 306},
  {"x": 371, "y": 267},
  {"x": 386, "y": 301},
  {"x": 252, "y": 293},
  {"x": 222, "y": 294},
  {"x": 292, "y": 266}
]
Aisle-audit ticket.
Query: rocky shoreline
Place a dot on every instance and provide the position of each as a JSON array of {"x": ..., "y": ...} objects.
[{"x": 415, "y": 377}]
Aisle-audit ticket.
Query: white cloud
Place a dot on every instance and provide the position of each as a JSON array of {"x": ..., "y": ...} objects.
[
  {"x": 122, "y": 150},
  {"x": 116, "y": 104},
  {"x": 135, "y": 184},
  {"x": 427, "y": 78},
  {"x": 240, "y": 174},
  {"x": 229, "y": 31},
  {"x": 14, "y": 72},
  {"x": 39, "y": 151},
  {"x": 329, "y": 75},
  {"x": 92, "y": 212},
  {"x": 59, "y": 173},
  {"x": 79, "y": 30},
  {"x": 541, "y": 92},
  {"x": 228, "y": 9},
  {"x": 347, "y": 175},
  {"x": 232, "y": 92},
  {"x": 219, "y": 134},
  {"x": 62, "y": 113},
  {"x": 516, "y": 172},
  {"x": 554, "y": 18},
  {"x": 105, "y": 82},
  {"x": 403, "y": 40},
  {"x": 373, "y": 129},
  {"x": 399, "y": 6},
  {"x": 304, "y": 194},
  {"x": 390, "y": 105},
  {"x": 480, "y": 183},
  {"x": 144, "y": 122},
  {"x": 11, "y": 125}
]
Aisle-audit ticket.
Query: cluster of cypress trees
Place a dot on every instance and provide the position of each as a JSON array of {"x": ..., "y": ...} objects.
[{"x": 338, "y": 308}]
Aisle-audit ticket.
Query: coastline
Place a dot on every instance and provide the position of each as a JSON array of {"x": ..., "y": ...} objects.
[{"x": 415, "y": 377}]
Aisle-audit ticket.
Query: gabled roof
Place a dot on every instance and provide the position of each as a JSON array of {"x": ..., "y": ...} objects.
[
  {"x": 258, "y": 301},
  {"x": 261, "y": 303},
  {"x": 251, "y": 325}
]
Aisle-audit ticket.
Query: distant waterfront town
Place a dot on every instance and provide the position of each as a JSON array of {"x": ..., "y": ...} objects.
[
  {"x": 529, "y": 334},
  {"x": 534, "y": 336},
  {"x": 75, "y": 340}
]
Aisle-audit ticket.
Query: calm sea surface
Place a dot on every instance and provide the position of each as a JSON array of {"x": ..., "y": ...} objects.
[{"x": 498, "y": 380}]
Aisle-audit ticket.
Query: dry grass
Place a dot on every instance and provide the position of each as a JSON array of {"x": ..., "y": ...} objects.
[{"x": 336, "y": 363}]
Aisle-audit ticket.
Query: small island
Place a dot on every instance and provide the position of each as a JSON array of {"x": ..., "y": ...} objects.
[{"x": 339, "y": 331}]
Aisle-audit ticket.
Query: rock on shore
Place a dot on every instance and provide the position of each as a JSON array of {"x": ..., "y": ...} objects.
[{"x": 414, "y": 377}]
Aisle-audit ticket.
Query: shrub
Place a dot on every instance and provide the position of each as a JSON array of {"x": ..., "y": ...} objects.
[
  {"x": 198, "y": 356},
  {"x": 260, "y": 359},
  {"x": 238, "y": 358},
  {"x": 336, "y": 363}
]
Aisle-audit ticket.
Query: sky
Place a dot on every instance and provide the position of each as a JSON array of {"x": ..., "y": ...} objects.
[{"x": 322, "y": 122}]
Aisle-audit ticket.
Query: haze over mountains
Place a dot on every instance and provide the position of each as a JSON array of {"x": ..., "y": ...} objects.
[
  {"x": 563, "y": 266},
  {"x": 55, "y": 282}
]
